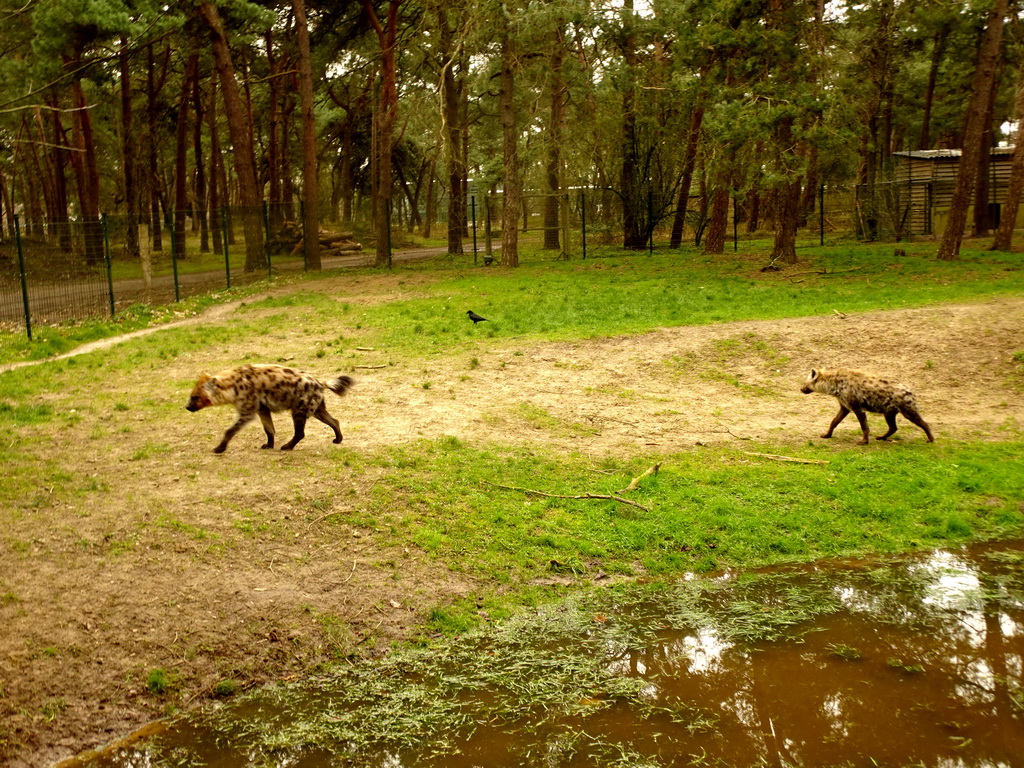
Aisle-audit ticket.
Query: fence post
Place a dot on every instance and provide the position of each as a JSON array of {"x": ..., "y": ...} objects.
[
  {"x": 266, "y": 239},
  {"x": 650, "y": 220},
  {"x": 224, "y": 240},
  {"x": 24, "y": 277},
  {"x": 735, "y": 226},
  {"x": 472, "y": 208},
  {"x": 174, "y": 259},
  {"x": 821, "y": 215},
  {"x": 305, "y": 234},
  {"x": 387, "y": 211},
  {"x": 583, "y": 220},
  {"x": 564, "y": 217},
  {"x": 106, "y": 258}
]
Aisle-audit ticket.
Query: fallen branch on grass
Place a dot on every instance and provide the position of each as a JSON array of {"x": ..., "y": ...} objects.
[
  {"x": 603, "y": 496},
  {"x": 636, "y": 480},
  {"x": 369, "y": 367},
  {"x": 824, "y": 272},
  {"x": 773, "y": 457}
]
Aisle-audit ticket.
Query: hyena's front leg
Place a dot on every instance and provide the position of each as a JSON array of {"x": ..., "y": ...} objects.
[
  {"x": 299, "y": 419},
  {"x": 330, "y": 421},
  {"x": 243, "y": 419},
  {"x": 843, "y": 413},
  {"x": 268, "y": 426}
]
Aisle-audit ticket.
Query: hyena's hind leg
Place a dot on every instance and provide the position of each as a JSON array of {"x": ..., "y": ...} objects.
[
  {"x": 299, "y": 420},
  {"x": 322, "y": 414},
  {"x": 243, "y": 419},
  {"x": 890, "y": 419},
  {"x": 268, "y": 426},
  {"x": 915, "y": 418}
]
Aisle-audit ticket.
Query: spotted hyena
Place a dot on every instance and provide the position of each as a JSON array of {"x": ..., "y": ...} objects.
[
  {"x": 860, "y": 392},
  {"x": 259, "y": 390}
]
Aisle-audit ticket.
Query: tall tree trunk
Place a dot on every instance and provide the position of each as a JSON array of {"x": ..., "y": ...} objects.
[
  {"x": 241, "y": 140},
  {"x": 216, "y": 162},
  {"x": 310, "y": 183},
  {"x": 509, "y": 149},
  {"x": 287, "y": 184},
  {"x": 630, "y": 185},
  {"x": 44, "y": 165},
  {"x": 6, "y": 207},
  {"x": 128, "y": 149},
  {"x": 1011, "y": 205},
  {"x": 200, "y": 191},
  {"x": 785, "y": 19},
  {"x": 274, "y": 133},
  {"x": 984, "y": 74},
  {"x": 430, "y": 205},
  {"x": 784, "y": 248},
  {"x": 689, "y": 163},
  {"x": 982, "y": 184},
  {"x": 718, "y": 219},
  {"x": 153, "y": 86},
  {"x": 88, "y": 177},
  {"x": 181, "y": 207},
  {"x": 59, "y": 164},
  {"x": 388, "y": 103},
  {"x": 556, "y": 135},
  {"x": 452, "y": 86}
]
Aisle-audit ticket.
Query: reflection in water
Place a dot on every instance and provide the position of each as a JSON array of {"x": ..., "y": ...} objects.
[{"x": 908, "y": 663}]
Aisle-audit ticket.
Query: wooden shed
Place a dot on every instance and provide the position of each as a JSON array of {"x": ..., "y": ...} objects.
[{"x": 930, "y": 175}]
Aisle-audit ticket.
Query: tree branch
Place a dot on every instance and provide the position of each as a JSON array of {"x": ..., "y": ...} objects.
[{"x": 601, "y": 496}]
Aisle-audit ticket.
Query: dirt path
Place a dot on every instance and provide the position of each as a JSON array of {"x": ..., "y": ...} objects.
[{"x": 175, "y": 570}]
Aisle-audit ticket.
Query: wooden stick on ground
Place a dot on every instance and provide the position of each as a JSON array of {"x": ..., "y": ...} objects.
[
  {"x": 635, "y": 482},
  {"x": 605, "y": 496},
  {"x": 786, "y": 458}
]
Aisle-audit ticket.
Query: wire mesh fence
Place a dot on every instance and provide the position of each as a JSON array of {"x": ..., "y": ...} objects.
[
  {"x": 593, "y": 222},
  {"x": 55, "y": 272}
]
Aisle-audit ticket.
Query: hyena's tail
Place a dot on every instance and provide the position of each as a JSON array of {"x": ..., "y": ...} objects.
[{"x": 340, "y": 385}]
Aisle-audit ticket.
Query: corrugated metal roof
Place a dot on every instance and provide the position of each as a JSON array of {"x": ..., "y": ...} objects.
[{"x": 943, "y": 154}]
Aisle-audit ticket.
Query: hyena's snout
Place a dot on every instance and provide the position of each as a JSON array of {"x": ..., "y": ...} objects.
[{"x": 194, "y": 404}]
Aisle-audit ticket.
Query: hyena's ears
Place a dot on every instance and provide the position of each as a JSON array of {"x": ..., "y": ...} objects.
[{"x": 813, "y": 375}]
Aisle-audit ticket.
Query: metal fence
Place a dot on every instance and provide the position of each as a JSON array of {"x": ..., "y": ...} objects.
[{"x": 54, "y": 272}]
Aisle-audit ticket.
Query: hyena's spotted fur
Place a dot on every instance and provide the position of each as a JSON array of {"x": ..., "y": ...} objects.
[
  {"x": 259, "y": 390},
  {"x": 860, "y": 392}
]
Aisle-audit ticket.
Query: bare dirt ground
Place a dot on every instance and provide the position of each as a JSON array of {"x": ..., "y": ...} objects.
[{"x": 250, "y": 566}]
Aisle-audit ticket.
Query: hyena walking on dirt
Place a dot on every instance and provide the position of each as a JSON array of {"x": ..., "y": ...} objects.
[
  {"x": 859, "y": 392},
  {"x": 259, "y": 390}
]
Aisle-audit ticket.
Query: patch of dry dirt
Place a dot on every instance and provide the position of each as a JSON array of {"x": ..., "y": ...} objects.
[{"x": 254, "y": 566}]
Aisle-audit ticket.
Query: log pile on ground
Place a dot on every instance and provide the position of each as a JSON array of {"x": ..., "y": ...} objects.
[{"x": 331, "y": 243}]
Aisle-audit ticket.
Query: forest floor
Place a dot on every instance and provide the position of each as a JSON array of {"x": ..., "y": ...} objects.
[{"x": 91, "y": 608}]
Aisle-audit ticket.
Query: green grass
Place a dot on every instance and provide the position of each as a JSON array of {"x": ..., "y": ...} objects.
[
  {"x": 626, "y": 293},
  {"x": 708, "y": 508}
]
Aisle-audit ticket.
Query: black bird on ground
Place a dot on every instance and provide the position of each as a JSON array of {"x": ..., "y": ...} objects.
[{"x": 475, "y": 317}]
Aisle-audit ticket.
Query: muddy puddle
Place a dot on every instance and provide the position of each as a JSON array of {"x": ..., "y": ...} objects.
[{"x": 915, "y": 662}]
